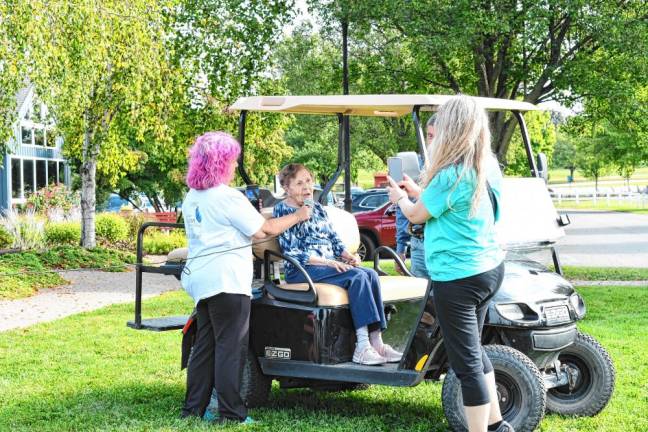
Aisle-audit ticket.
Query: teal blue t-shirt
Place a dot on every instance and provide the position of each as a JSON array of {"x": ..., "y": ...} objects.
[{"x": 456, "y": 245}]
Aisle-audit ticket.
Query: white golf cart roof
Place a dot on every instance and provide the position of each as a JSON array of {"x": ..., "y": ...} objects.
[{"x": 365, "y": 105}]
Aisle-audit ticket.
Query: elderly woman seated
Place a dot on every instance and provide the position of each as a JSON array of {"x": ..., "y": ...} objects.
[{"x": 318, "y": 248}]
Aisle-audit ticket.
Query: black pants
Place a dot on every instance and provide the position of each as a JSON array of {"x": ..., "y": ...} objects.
[
  {"x": 461, "y": 307},
  {"x": 216, "y": 360}
]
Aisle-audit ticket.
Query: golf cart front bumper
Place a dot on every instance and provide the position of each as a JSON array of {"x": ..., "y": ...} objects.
[{"x": 540, "y": 345}]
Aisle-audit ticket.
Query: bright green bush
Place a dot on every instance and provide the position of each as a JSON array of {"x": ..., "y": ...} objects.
[
  {"x": 161, "y": 243},
  {"x": 58, "y": 233},
  {"x": 6, "y": 239},
  {"x": 111, "y": 228}
]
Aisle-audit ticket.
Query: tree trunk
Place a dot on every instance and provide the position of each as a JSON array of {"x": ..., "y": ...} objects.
[{"x": 88, "y": 186}]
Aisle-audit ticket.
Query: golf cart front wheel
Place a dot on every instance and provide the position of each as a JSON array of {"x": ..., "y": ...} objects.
[
  {"x": 520, "y": 390},
  {"x": 592, "y": 379},
  {"x": 255, "y": 386}
]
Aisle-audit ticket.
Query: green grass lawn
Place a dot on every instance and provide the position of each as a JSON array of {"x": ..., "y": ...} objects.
[
  {"x": 22, "y": 274},
  {"x": 90, "y": 372}
]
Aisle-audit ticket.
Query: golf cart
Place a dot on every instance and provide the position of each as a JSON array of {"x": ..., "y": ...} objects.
[{"x": 302, "y": 335}]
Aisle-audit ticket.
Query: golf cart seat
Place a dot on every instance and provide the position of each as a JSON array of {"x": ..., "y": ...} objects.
[{"x": 394, "y": 288}]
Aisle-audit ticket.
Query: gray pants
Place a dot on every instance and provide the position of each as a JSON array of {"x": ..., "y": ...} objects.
[{"x": 216, "y": 359}]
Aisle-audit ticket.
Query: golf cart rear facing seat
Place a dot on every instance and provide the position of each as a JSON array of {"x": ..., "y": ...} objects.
[{"x": 394, "y": 288}]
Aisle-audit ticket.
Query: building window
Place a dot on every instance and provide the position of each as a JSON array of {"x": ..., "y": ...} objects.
[
  {"x": 52, "y": 173},
  {"x": 39, "y": 137},
  {"x": 16, "y": 188},
  {"x": 41, "y": 174},
  {"x": 26, "y": 134},
  {"x": 28, "y": 176}
]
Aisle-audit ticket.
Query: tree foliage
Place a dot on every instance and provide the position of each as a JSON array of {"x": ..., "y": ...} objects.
[
  {"x": 534, "y": 51},
  {"x": 103, "y": 71},
  {"x": 542, "y": 134}
]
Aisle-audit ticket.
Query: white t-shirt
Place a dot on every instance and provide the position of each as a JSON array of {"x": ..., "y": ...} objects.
[{"x": 219, "y": 219}]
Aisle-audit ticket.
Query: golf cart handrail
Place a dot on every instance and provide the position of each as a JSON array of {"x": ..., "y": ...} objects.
[
  {"x": 304, "y": 297},
  {"x": 396, "y": 258},
  {"x": 366, "y": 105}
]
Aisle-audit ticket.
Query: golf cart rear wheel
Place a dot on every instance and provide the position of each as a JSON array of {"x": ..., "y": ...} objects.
[
  {"x": 592, "y": 375},
  {"x": 366, "y": 248},
  {"x": 255, "y": 386},
  {"x": 520, "y": 390}
]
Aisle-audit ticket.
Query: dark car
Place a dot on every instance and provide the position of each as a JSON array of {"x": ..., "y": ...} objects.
[
  {"x": 377, "y": 228},
  {"x": 369, "y": 200}
]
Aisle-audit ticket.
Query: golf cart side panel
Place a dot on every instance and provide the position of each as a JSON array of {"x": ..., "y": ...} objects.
[{"x": 323, "y": 335}]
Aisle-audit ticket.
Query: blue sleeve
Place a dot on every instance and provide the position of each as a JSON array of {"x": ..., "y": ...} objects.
[
  {"x": 289, "y": 243},
  {"x": 402, "y": 235}
]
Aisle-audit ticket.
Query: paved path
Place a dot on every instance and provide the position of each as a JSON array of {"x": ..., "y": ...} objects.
[
  {"x": 87, "y": 291},
  {"x": 605, "y": 239}
]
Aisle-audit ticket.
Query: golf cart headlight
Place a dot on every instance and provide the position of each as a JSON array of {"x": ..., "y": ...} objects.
[
  {"x": 511, "y": 312},
  {"x": 576, "y": 301}
]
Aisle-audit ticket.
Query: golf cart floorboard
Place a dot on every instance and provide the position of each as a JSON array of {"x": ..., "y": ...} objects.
[
  {"x": 161, "y": 324},
  {"x": 387, "y": 374}
]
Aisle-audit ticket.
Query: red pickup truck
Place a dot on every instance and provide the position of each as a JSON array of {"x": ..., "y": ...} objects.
[{"x": 377, "y": 228}]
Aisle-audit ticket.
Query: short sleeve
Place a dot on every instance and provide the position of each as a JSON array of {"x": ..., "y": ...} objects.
[
  {"x": 437, "y": 195},
  {"x": 242, "y": 215}
]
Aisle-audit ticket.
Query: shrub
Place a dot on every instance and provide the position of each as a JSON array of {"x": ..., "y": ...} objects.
[
  {"x": 111, "y": 228},
  {"x": 57, "y": 233},
  {"x": 134, "y": 221},
  {"x": 52, "y": 198},
  {"x": 161, "y": 243},
  {"x": 6, "y": 239},
  {"x": 27, "y": 230}
]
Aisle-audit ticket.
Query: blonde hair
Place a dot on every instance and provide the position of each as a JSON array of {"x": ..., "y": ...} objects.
[{"x": 462, "y": 140}]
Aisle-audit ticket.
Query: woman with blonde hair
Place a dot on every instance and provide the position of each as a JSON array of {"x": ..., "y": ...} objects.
[{"x": 458, "y": 204}]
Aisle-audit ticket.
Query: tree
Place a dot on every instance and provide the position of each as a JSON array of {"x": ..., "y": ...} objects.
[
  {"x": 314, "y": 138},
  {"x": 591, "y": 162},
  {"x": 564, "y": 155},
  {"x": 542, "y": 134},
  {"x": 533, "y": 51},
  {"x": 103, "y": 71},
  {"x": 12, "y": 74}
]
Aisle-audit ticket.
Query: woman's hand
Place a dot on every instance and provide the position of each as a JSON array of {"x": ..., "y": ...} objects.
[
  {"x": 304, "y": 213},
  {"x": 353, "y": 260},
  {"x": 395, "y": 192},
  {"x": 413, "y": 190},
  {"x": 339, "y": 265}
]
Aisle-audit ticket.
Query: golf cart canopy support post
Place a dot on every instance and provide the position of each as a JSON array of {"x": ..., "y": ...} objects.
[
  {"x": 420, "y": 137},
  {"x": 527, "y": 143},
  {"x": 241, "y": 165},
  {"x": 329, "y": 185}
]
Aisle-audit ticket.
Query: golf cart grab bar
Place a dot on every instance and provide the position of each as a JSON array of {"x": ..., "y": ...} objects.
[
  {"x": 141, "y": 268},
  {"x": 308, "y": 297},
  {"x": 394, "y": 255}
]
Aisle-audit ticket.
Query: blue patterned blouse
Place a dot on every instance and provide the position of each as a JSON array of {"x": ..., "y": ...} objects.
[{"x": 314, "y": 237}]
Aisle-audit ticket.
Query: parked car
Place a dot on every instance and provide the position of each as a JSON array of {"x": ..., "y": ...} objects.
[
  {"x": 369, "y": 200},
  {"x": 377, "y": 228}
]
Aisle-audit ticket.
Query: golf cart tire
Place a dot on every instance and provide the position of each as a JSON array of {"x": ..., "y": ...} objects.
[
  {"x": 594, "y": 385},
  {"x": 368, "y": 245},
  {"x": 255, "y": 386},
  {"x": 516, "y": 374}
]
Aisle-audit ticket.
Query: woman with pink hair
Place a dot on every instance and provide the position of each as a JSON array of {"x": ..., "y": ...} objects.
[{"x": 220, "y": 224}]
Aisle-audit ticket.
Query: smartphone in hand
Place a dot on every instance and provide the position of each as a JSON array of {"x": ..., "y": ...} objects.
[{"x": 395, "y": 168}]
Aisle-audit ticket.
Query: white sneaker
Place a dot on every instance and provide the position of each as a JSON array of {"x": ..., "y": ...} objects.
[
  {"x": 389, "y": 353},
  {"x": 368, "y": 356}
]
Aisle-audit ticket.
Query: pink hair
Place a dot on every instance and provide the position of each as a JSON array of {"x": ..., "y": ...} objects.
[{"x": 210, "y": 158}]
